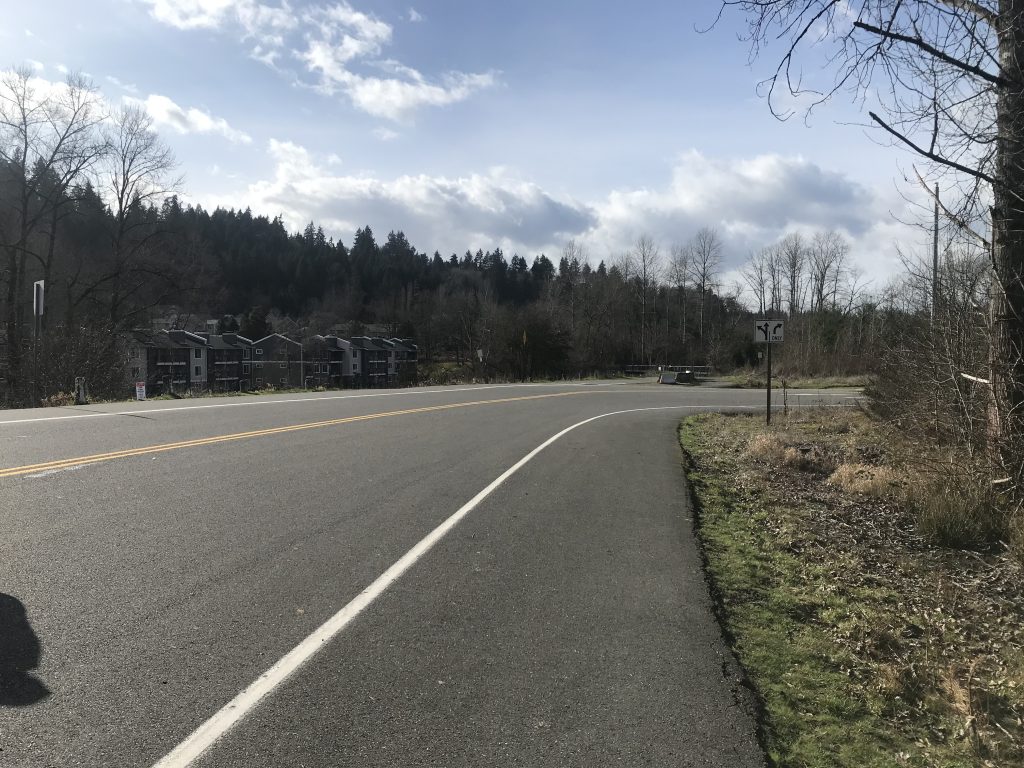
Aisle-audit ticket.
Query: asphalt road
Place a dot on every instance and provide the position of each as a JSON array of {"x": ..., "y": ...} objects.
[{"x": 156, "y": 559}]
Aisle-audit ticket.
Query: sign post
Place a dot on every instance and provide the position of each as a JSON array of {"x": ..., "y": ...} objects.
[
  {"x": 768, "y": 332},
  {"x": 38, "y": 296},
  {"x": 140, "y": 390}
]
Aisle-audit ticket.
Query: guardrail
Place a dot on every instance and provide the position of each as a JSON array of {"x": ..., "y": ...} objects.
[{"x": 699, "y": 372}]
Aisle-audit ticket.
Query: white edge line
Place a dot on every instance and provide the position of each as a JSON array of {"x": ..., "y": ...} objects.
[
  {"x": 48, "y": 472},
  {"x": 235, "y": 710},
  {"x": 277, "y": 401},
  {"x": 230, "y": 714}
]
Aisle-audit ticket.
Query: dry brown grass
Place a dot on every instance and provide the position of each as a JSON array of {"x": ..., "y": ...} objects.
[
  {"x": 772, "y": 448},
  {"x": 766, "y": 446},
  {"x": 865, "y": 479},
  {"x": 58, "y": 400},
  {"x": 958, "y": 510}
]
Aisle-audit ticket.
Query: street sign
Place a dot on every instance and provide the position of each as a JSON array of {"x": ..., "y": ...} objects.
[
  {"x": 768, "y": 331},
  {"x": 37, "y": 298},
  {"x": 140, "y": 390}
]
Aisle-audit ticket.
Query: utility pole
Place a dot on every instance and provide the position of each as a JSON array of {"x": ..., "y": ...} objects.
[
  {"x": 768, "y": 383},
  {"x": 38, "y": 294},
  {"x": 935, "y": 256}
]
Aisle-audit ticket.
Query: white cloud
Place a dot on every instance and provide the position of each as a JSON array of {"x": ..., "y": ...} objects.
[
  {"x": 385, "y": 134},
  {"x": 394, "y": 99},
  {"x": 480, "y": 210},
  {"x": 190, "y": 14},
  {"x": 35, "y": 65},
  {"x": 334, "y": 43},
  {"x": 415, "y": 16},
  {"x": 129, "y": 87},
  {"x": 752, "y": 202},
  {"x": 62, "y": 69},
  {"x": 266, "y": 24},
  {"x": 165, "y": 112}
]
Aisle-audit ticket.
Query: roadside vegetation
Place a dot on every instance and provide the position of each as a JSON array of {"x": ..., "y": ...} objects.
[
  {"x": 872, "y": 590},
  {"x": 755, "y": 379}
]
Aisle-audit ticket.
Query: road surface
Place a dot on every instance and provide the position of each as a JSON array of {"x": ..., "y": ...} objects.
[{"x": 263, "y": 582}]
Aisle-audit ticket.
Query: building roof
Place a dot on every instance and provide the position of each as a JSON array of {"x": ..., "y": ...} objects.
[
  {"x": 276, "y": 335},
  {"x": 403, "y": 345},
  {"x": 226, "y": 340},
  {"x": 364, "y": 342},
  {"x": 173, "y": 339}
]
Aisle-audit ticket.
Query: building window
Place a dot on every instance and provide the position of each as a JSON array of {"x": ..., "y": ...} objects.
[
  {"x": 199, "y": 370},
  {"x": 284, "y": 381},
  {"x": 259, "y": 366},
  {"x": 198, "y": 354},
  {"x": 259, "y": 351},
  {"x": 245, "y": 367},
  {"x": 284, "y": 365},
  {"x": 245, "y": 354}
]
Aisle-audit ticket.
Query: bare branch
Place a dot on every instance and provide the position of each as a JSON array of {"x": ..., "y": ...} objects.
[
  {"x": 932, "y": 155},
  {"x": 937, "y": 53}
]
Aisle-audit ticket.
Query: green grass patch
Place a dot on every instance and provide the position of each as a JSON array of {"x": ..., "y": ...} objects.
[
  {"x": 756, "y": 380},
  {"x": 854, "y": 667}
]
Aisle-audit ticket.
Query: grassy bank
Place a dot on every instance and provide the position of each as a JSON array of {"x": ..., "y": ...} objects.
[
  {"x": 756, "y": 380},
  {"x": 868, "y": 644}
]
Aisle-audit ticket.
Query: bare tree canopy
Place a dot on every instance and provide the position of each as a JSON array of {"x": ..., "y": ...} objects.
[{"x": 945, "y": 79}]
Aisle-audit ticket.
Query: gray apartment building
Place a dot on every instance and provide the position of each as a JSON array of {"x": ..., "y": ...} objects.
[
  {"x": 277, "y": 362},
  {"x": 168, "y": 361},
  {"x": 180, "y": 362},
  {"x": 229, "y": 362}
]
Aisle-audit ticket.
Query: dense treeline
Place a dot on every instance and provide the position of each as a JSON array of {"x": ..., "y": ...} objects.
[{"x": 88, "y": 203}]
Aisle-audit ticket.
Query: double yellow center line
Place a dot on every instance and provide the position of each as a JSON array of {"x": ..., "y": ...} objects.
[{"x": 96, "y": 458}]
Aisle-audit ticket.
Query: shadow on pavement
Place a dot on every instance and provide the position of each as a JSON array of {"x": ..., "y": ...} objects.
[{"x": 19, "y": 652}]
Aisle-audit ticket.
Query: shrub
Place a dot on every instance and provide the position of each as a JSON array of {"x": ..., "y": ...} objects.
[
  {"x": 58, "y": 400},
  {"x": 865, "y": 479},
  {"x": 958, "y": 509},
  {"x": 766, "y": 447}
]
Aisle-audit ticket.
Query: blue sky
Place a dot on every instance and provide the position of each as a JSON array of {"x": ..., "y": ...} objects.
[{"x": 476, "y": 124}]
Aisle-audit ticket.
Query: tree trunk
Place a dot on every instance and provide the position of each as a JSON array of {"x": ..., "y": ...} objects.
[{"x": 1007, "y": 345}]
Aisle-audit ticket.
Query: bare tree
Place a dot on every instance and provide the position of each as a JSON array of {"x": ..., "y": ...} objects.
[
  {"x": 77, "y": 118},
  {"x": 756, "y": 274},
  {"x": 679, "y": 278},
  {"x": 139, "y": 172},
  {"x": 644, "y": 264},
  {"x": 705, "y": 261},
  {"x": 826, "y": 257},
  {"x": 46, "y": 141},
  {"x": 574, "y": 256},
  {"x": 949, "y": 76},
  {"x": 793, "y": 257}
]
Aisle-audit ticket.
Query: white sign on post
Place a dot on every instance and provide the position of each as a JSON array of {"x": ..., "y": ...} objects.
[
  {"x": 37, "y": 298},
  {"x": 768, "y": 331},
  {"x": 140, "y": 390}
]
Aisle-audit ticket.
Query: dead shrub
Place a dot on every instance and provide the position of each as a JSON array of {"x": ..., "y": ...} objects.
[
  {"x": 58, "y": 400},
  {"x": 958, "y": 509},
  {"x": 865, "y": 479},
  {"x": 766, "y": 447},
  {"x": 901, "y": 682},
  {"x": 808, "y": 458}
]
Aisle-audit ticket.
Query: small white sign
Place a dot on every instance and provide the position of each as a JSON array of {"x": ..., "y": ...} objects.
[
  {"x": 768, "y": 331},
  {"x": 38, "y": 294},
  {"x": 140, "y": 390}
]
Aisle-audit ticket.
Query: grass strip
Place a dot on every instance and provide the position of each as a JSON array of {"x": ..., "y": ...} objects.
[{"x": 852, "y": 668}]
